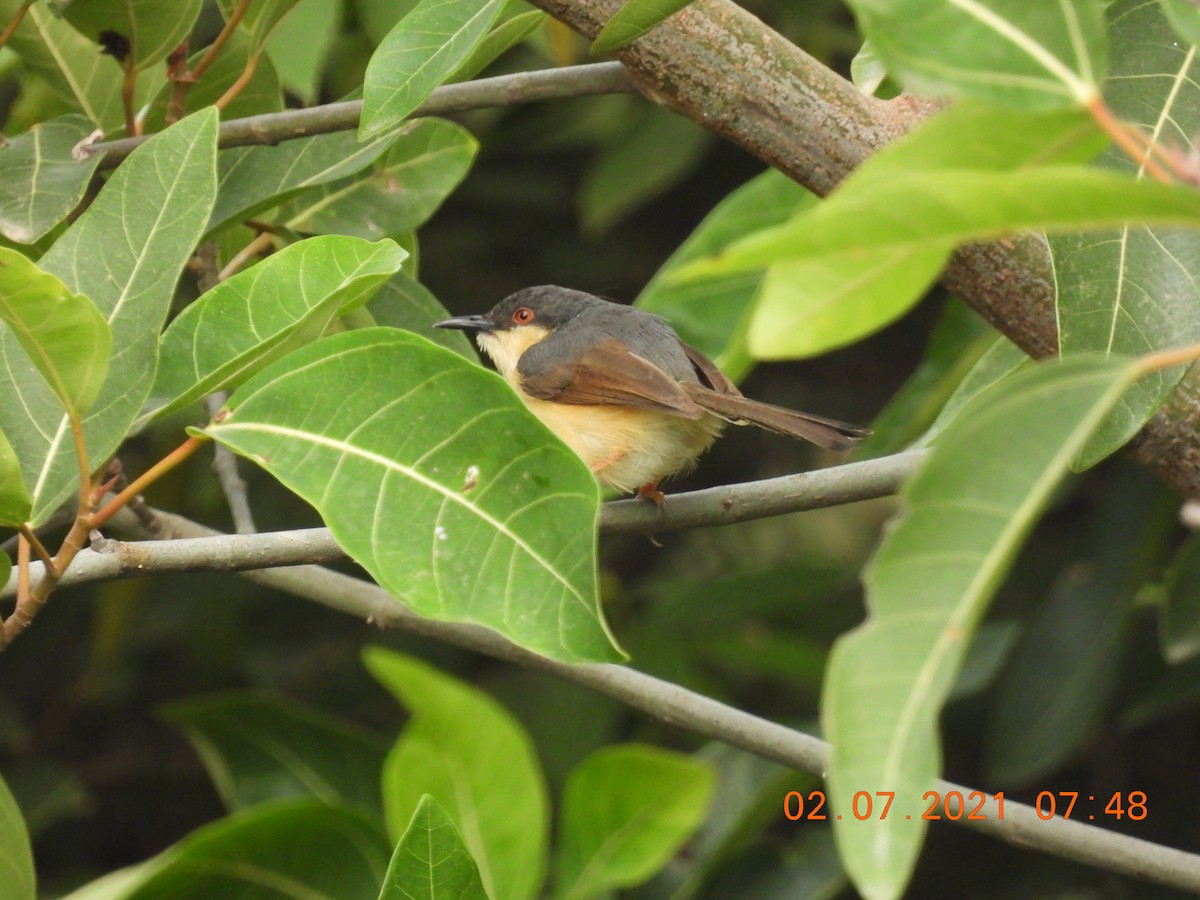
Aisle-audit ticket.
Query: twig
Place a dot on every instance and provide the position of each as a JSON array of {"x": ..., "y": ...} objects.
[
  {"x": 128, "y": 90},
  {"x": 27, "y": 535},
  {"x": 240, "y": 85},
  {"x": 503, "y": 90},
  {"x": 214, "y": 49},
  {"x": 1136, "y": 145},
  {"x": 225, "y": 468},
  {"x": 247, "y": 253},
  {"x": 686, "y": 709},
  {"x": 15, "y": 22},
  {"x": 135, "y": 487}
]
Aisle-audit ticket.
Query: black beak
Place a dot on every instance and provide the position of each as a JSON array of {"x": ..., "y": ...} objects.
[{"x": 467, "y": 323}]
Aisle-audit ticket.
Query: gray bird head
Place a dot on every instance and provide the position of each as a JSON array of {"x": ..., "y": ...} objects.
[{"x": 548, "y": 306}]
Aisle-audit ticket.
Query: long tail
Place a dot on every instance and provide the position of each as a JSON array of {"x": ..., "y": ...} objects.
[{"x": 828, "y": 433}]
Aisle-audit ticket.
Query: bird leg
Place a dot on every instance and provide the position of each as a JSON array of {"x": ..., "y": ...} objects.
[{"x": 650, "y": 491}]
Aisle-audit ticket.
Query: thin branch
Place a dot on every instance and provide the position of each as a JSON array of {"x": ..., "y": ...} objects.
[
  {"x": 702, "y": 715},
  {"x": 229, "y": 477},
  {"x": 128, "y": 91},
  {"x": 242, "y": 80},
  {"x": 214, "y": 49},
  {"x": 483, "y": 93},
  {"x": 28, "y": 535},
  {"x": 139, "y": 484},
  {"x": 262, "y": 242},
  {"x": 15, "y": 22}
]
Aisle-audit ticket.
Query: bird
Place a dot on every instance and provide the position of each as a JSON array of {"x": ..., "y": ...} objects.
[{"x": 619, "y": 387}]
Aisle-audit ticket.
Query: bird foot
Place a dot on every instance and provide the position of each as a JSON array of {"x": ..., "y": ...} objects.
[{"x": 650, "y": 491}]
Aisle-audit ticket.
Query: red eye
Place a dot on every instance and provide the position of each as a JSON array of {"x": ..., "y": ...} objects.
[{"x": 523, "y": 315}]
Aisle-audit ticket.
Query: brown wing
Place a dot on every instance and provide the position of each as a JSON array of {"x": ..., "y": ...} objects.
[
  {"x": 608, "y": 374},
  {"x": 823, "y": 432},
  {"x": 709, "y": 374}
]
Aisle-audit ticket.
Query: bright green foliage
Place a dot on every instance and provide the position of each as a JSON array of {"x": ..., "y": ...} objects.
[
  {"x": 431, "y": 862},
  {"x": 480, "y": 514},
  {"x": 506, "y": 35},
  {"x": 265, "y": 312},
  {"x": 15, "y": 504},
  {"x": 965, "y": 515},
  {"x": 39, "y": 181},
  {"x": 626, "y": 810},
  {"x": 17, "y": 880},
  {"x": 1011, "y": 52},
  {"x": 258, "y": 749},
  {"x": 425, "y": 48},
  {"x": 633, "y": 20},
  {"x": 62, "y": 333},
  {"x": 472, "y": 756}
]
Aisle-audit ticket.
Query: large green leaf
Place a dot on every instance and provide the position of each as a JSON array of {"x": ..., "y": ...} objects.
[
  {"x": 40, "y": 182},
  {"x": 626, "y": 810},
  {"x": 404, "y": 188},
  {"x": 257, "y": 749},
  {"x": 1133, "y": 290},
  {"x": 506, "y": 35},
  {"x": 633, "y": 20},
  {"x": 126, "y": 252},
  {"x": 434, "y": 477},
  {"x": 712, "y": 315},
  {"x": 1031, "y": 55},
  {"x": 17, "y": 880},
  {"x": 965, "y": 514},
  {"x": 472, "y": 756},
  {"x": 425, "y": 48},
  {"x": 431, "y": 861},
  {"x": 15, "y": 504},
  {"x": 70, "y": 63},
  {"x": 264, "y": 312},
  {"x": 150, "y": 29},
  {"x": 62, "y": 333}
]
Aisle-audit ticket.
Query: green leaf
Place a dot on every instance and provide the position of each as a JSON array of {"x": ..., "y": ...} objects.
[
  {"x": 867, "y": 70},
  {"x": 1179, "y": 620},
  {"x": 468, "y": 752},
  {"x": 427, "y": 45},
  {"x": 632, "y": 20},
  {"x": 405, "y": 303},
  {"x": 480, "y": 514},
  {"x": 712, "y": 315},
  {"x": 40, "y": 183},
  {"x": 626, "y": 811},
  {"x": 1010, "y": 52},
  {"x": 289, "y": 848},
  {"x": 254, "y": 179},
  {"x": 265, "y": 312},
  {"x": 260, "y": 19},
  {"x": 431, "y": 861},
  {"x": 17, "y": 879},
  {"x": 1184, "y": 16},
  {"x": 499, "y": 41},
  {"x": 126, "y": 252},
  {"x": 15, "y": 504},
  {"x": 405, "y": 187},
  {"x": 1001, "y": 359},
  {"x": 62, "y": 333},
  {"x": 300, "y": 44},
  {"x": 965, "y": 514},
  {"x": 69, "y": 62},
  {"x": 257, "y": 749},
  {"x": 150, "y": 28},
  {"x": 1133, "y": 291}
]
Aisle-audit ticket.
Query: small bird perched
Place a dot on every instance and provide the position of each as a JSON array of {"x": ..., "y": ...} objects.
[{"x": 618, "y": 386}]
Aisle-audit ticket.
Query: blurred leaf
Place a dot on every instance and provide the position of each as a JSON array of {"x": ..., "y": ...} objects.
[
  {"x": 998, "y": 361},
  {"x": 62, "y": 333},
  {"x": 633, "y": 168},
  {"x": 626, "y": 809},
  {"x": 150, "y": 29},
  {"x": 807, "y": 868},
  {"x": 69, "y": 62},
  {"x": 471, "y": 755},
  {"x": 405, "y": 303},
  {"x": 1179, "y": 622},
  {"x": 966, "y": 511},
  {"x": 48, "y": 792},
  {"x": 632, "y": 20},
  {"x": 126, "y": 251},
  {"x": 712, "y": 315},
  {"x": 1134, "y": 290},
  {"x": 14, "y": 498},
  {"x": 265, "y": 312},
  {"x": 261, "y": 93},
  {"x": 867, "y": 70},
  {"x": 1008, "y": 52},
  {"x": 40, "y": 184},
  {"x": 990, "y": 649},
  {"x": 253, "y": 179},
  {"x": 378, "y": 17},
  {"x": 959, "y": 339},
  {"x": 299, "y": 46},
  {"x": 502, "y": 38},
  {"x": 431, "y": 861},
  {"x": 17, "y": 879},
  {"x": 1184, "y": 16},
  {"x": 405, "y": 187},
  {"x": 428, "y": 44},
  {"x": 481, "y": 515},
  {"x": 260, "y": 19},
  {"x": 257, "y": 749},
  {"x": 1066, "y": 668}
]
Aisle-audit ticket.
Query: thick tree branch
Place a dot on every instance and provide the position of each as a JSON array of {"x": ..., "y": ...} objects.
[
  {"x": 702, "y": 715},
  {"x": 721, "y": 67}
]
